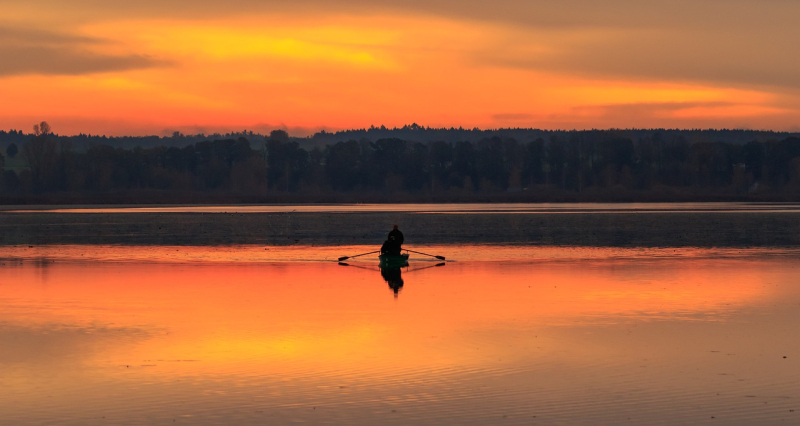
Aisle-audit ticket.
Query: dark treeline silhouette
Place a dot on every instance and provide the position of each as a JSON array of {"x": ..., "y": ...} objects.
[
  {"x": 176, "y": 139},
  {"x": 417, "y": 133},
  {"x": 412, "y": 133},
  {"x": 598, "y": 165}
]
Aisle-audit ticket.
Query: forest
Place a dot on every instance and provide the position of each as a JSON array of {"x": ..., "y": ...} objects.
[{"x": 598, "y": 165}]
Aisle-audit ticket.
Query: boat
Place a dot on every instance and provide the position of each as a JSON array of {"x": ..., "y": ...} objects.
[{"x": 393, "y": 260}]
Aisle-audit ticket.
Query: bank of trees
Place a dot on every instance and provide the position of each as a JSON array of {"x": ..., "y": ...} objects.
[{"x": 598, "y": 165}]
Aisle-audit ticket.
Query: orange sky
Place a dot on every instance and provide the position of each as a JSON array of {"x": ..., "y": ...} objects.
[{"x": 122, "y": 69}]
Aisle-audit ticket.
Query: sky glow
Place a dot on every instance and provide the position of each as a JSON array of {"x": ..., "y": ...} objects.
[{"x": 121, "y": 69}]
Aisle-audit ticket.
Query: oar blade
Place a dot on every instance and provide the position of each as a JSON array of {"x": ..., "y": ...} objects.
[
  {"x": 344, "y": 258},
  {"x": 440, "y": 257}
]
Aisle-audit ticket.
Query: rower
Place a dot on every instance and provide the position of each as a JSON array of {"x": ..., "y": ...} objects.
[
  {"x": 388, "y": 246},
  {"x": 396, "y": 240}
]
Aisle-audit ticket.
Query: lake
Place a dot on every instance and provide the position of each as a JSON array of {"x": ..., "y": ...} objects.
[
  {"x": 597, "y": 225},
  {"x": 106, "y": 320}
]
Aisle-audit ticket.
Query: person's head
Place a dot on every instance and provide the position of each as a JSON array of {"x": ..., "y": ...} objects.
[{"x": 394, "y": 227}]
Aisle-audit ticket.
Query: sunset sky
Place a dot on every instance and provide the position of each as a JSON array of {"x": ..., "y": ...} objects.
[{"x": 153, "y": 67}]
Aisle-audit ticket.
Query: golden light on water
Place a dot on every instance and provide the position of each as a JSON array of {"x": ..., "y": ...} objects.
[
  {"x": 228, "y": 335},
  {"x": 319, "y": 313}
]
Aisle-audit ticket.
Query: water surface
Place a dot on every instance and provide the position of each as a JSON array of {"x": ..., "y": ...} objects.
[
  {"x": 524, "y": 208},
  {"x": 501, "y": 335},
  {"x": 739, "y": 225}
]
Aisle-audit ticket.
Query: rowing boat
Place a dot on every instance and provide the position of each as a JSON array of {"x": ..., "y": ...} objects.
[{"x": 393, "y": 260}]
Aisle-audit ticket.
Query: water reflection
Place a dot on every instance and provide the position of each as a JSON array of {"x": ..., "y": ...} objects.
[
  {"x": 676, "y": 340},
  {"x": 391, "y": 275},
  {"x": 394, "y": 277},
  {"x": 694, "y": 207}
]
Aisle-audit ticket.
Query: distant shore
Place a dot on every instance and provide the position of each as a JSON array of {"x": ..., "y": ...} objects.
[{"x": 601, "y": 166}]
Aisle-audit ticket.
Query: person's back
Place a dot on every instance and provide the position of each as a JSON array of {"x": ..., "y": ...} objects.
[
  {"x": 390, "y": 246},
  {"x": 387, "y": 247}
]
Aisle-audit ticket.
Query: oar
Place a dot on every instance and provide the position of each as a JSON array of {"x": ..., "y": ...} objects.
[
  {"x": 426, "y": 254},
  {"x": 407, "y": 272},
  {"x": 362, "y": 254}
]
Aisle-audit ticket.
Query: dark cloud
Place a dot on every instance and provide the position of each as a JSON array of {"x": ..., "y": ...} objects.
[
  {"x": 745, "y": 42},
  {"x": 637, "y": 114},
  {"x": 27, "y": 51},
  {"x": 667, "y": 115},
  {"x": 49, "y": 61},
  {"x": 34, "y": 37},
  {"x": 727, "y": 57},
  {"x": 564, "y": 13}
]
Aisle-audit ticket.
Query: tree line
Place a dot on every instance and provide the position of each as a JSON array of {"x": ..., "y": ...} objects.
[{"x": 580, "y": 166}]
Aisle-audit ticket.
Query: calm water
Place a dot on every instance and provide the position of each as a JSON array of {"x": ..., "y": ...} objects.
[
  {"x": 630, "y": 225},
  {"x": 461, "y": 208},
  {"x": 552, "y": 314},
  {"x": 499, "y": 334}
]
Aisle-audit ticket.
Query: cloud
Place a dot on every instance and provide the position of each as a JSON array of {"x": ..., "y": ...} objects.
[
  {"x": 749, "y": 14},
  {"x": 716, "y": 114},
  {"x": 741, "y": 42},
  {"x": 49, "y": 61},
  {"x": 33, "y": 37},
  {"x": 355, "y": 63},
  {"x": 729, "y": 58},
  {"x": 681, "y": 114},
  {"x": 644, "y": 109},
  {"x": 28, "y": 51}
]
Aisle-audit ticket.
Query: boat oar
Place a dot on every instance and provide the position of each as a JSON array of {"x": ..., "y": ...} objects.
[
  {"x": 362, "y": 254},
  {"x": 426, "y": 254}
]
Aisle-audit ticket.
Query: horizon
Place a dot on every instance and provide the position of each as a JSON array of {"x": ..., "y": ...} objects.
[
  {"x": 409, "y": 127},
  {"x": 121, "y": 69}
]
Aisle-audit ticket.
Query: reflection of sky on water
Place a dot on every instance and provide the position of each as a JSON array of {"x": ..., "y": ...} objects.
[
  {"x": 47, "y": 254},
  {"x": 699, "y": 207},
  {"x": 673, "y": 340}
]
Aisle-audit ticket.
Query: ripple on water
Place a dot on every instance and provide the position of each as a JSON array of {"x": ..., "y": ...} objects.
[{"x": 569, "y": 336}]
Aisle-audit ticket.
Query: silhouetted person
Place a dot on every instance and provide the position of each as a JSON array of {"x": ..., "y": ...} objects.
[
  {"x": 388, "y": 246},
  {"x": 395, "y": 241}
]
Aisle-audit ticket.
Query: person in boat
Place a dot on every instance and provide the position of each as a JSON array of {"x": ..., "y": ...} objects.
[
  {"x": 387, "y": 247},
  {"x": 396, "y": 239},
  {"x": 390, "y": 246}
]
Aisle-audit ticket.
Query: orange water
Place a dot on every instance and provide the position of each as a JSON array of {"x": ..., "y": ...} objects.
[
  {"x": 140, "y": 335},
  {"x": 469, "y": 208}
]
